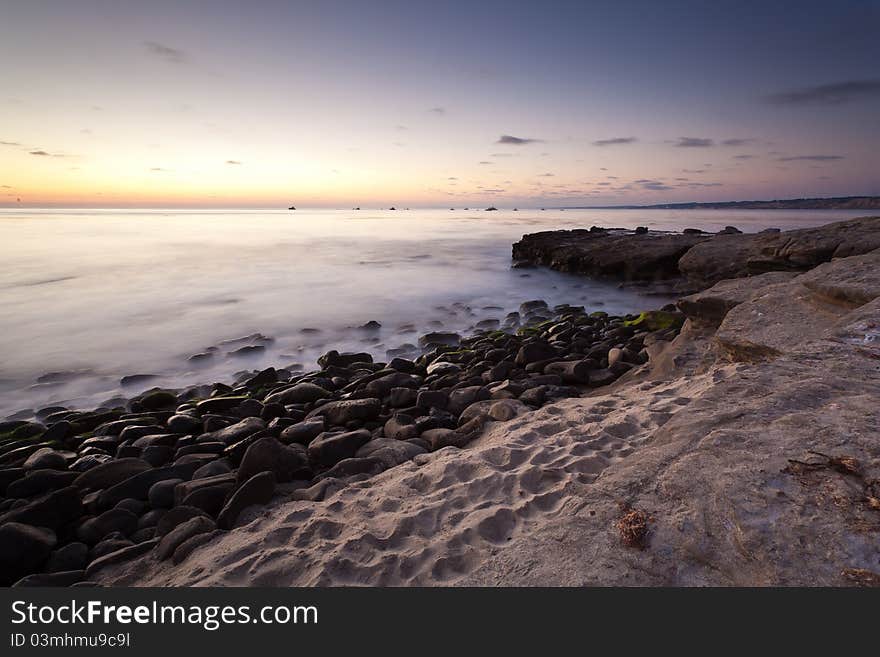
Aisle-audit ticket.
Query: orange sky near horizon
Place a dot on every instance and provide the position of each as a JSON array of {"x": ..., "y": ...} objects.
[{"x": 164, "y": 104}]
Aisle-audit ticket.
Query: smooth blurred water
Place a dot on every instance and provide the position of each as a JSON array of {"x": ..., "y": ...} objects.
[{"x": 118, "y": 292}]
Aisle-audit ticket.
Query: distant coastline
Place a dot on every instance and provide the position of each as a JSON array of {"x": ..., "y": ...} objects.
[{"x": 834, "y": 203}]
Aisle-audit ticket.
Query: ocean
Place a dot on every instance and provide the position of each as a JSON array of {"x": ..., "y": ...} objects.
[{"x": 90, "y": 296}]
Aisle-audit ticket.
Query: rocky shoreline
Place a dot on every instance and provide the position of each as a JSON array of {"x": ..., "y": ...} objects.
[
  {"x": 694, "y": 260},
  {"x": 730, "y": 440},
  {"x": 170, "y": 468}
]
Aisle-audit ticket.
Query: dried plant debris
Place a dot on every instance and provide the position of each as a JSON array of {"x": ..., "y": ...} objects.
[
  {"x": 842, "y": 464},
  {"x": 633, "y": 527},
  {"x": 862, "y": 577},
  {"x": 845, "y": 465}
]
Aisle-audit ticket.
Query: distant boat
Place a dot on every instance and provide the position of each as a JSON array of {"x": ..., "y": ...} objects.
[
  {"x": 291, "y": 208},
  {"x": 492, "y": 209},
  {"x": 392, "y": 208},
  {"x": 516, "y": 209},
  {"x": 355, "y": 208}
]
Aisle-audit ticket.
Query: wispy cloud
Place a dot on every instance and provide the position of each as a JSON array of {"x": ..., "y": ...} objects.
[
  {"x": 157, "y": 169},
  {"x": 233, "y": 162},
  {"x": 652, "y": 185},
  {"x": 9, "y": 143},
  {"x": 437, "y": 110},
  {"x": 484, "y": 162},
  {"x": 743, "y": 157},
  {"x": 736, "y": 142},
  {"x": 41, "y": 153},
  {"x": 615, "y": 141},
  {"x": 810, "y": 158},
  {"x": 516, "y": 141},
  {"x": 828, "y": 94},
  {"x": 546, "y": 175},
  {"x": 694, "y": 142},
  {"x": 169, "y": 54}
]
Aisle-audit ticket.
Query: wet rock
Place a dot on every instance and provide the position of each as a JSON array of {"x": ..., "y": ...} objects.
[
  {"x": 533, "y": 352},
  {"x": 161, "y": 494},
  {"x": 438, "y": 338},
  {"x": 391, "y": 452},
  {"x": 119, "y": 556},
  {"x": 57, "y": 431},
  {"x": 287, "y": 462},
  {"x": 601, "y": 377},
  {"x": 237, "y": 431},
  {"x": 138, "y": 486},
  {"x": 339, "y": 413},
  {"x": 157, "y": 455},
  {"x": 440, "y": 438},
  {"x": 218, "y": 404},
  {"x": 402, "y": 397},
  {"x": 46, "y": 458},
  {"x": 218, "y": 467},
  {"x": 177, "y": 516},
  {"x": 115, "y": 520},
  {"x": 133, "y": 380},
  {"x": 191, "y": 544},
  {"x": 73, "y": 556},
  {"x": 432, "y": 399},
  {"x": 23, "y": 549},
  {"x": 258, "y": 489},
  {"x": 400, "y": 427},
  {"x": 329, "y": 448},
  {"x": 54, "y": 510},
  {"x": 402, "y": 365},
  {"x": 534, "y": 396},
  {"x": 173, "y": 539},
  {"x": 303, "y": 432},
  {"x": 577, "y": 371},
  {"x": 184, "y": 424},
  {"x": 158, "y": 400},
  {"x": 344, "y": 359},
  {"x": 109, "y": 545},
  {"x": 351, "y": 467},
  {"x": 506, "y": 410},
  {"x": 301, "y": 393},
  {"x": 463, "y": 397},
  {"x": 248, "y": 351},
  {"x": 39, "y": 482},
  {"x": 210, "y": 498}
]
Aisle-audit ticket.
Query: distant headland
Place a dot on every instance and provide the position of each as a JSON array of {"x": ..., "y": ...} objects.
[{"x": 834, "y": 203}]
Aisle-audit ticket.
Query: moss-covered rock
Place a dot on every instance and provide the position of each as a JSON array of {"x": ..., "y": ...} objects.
[{"x": 656, "y": 320}]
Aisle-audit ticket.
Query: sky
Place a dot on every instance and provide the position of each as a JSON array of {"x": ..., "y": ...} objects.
[{"x": 115, "y": 103}]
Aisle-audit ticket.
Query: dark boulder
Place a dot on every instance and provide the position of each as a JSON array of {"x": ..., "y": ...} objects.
[
  {"x": 258, "y": 489},
  {"x": 329, "y": 448}
]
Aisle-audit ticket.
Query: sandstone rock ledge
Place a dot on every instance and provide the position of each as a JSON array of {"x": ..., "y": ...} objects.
[
  {"x": 744, "y": 453},
  {"x": 695, "y": 261}
]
